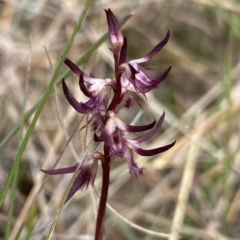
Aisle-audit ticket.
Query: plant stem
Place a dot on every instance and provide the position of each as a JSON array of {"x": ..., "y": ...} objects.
[{"x": 104, "y": 195}]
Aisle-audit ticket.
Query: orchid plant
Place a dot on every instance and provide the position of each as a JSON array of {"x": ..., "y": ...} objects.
[{"x": 107, "y": 97}]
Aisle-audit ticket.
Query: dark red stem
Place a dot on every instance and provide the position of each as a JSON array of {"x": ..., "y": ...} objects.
[
  {"x": 117, "y": 94},
  {"x": 104, "y": 195},
  {"x": 106, "y": 163}
]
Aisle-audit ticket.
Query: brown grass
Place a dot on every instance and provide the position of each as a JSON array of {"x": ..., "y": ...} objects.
[{"x": 190, "y": 192}]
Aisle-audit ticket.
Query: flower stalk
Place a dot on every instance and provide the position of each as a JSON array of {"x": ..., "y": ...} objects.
[
  {"x": 104, "y": 109},
  {"x": 103, "y": 198}
]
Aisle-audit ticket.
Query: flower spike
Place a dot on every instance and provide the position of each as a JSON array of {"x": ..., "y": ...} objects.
[
  {"x": 106, "y": 99},
  {"x": 129, "y": 78}
]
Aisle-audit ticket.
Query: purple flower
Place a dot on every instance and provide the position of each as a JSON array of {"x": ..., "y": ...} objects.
[
  {"x": 96, "y": 92},
  {"x": 114, "y": 135},
  {"x": 133, "y": 78},
  {"x": 86, "y": 175}
]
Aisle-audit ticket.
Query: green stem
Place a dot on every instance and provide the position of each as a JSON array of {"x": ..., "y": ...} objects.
[{"x": 42, "y": 102}]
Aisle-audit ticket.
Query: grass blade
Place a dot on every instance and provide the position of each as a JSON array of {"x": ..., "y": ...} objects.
[{"x": 43, "y": 100}]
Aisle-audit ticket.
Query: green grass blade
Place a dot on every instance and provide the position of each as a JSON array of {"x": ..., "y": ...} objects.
[
  {"x": 15, "y": 177},
  {"x": 42, "y": 102}
]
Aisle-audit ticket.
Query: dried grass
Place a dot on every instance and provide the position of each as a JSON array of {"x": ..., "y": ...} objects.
[{"x": 190, "y": 192}]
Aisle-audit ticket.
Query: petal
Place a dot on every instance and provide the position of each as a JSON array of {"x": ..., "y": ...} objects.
[
  {"x": 77, "y": 70},
  {"x": 116, "y": 144},
  {"x": 147, "y": 84},
  {"x": 148, "y": 135},
  {"x": 71, "y": 169},
  {"x": 154, "y": 51},
  {"x": 87, "y": 175},
  {"x": 133, "y": 72},
  {"x": 98, "y": 86},
  {"x": 123, "y": 53},
  {"x": 82, "y": 180},
  {"x": 132, "y": 165},
  {"x": 158, "y": 80},
  {"x": 151, "y": 152},
  {"x": 142, "y": 79},
  {"x": 94, "y": 105},
  {"x": 83, "y": 88},
  {"x": 143, "y": 83},
  {"x": 73, "y": 67},
  {"x": 109, "y": 129},
  {"x": 79, "y": 107},
  {"x": 129, "y": 128},
  {"x": 163, "y": 75}
]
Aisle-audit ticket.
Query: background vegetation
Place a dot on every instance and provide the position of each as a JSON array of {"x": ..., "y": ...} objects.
[{"x": 190, "y": 192}]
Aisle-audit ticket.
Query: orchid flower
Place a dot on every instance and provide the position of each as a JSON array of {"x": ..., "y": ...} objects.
[
  {"x": 86, "y": 175},
  {"x": 107, "y": 97},
  {"x": 121, "y": 147},
  {"x": 132, "y": 75}
]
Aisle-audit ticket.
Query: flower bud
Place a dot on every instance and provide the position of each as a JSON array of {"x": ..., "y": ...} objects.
[{"x": 116, "y": 37}]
